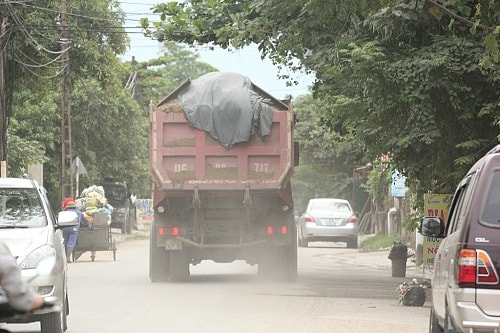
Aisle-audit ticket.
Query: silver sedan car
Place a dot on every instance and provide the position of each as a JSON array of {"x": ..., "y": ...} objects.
[
  {"x": 328, "y": 219},
  {"x": 30, "y": 229}
]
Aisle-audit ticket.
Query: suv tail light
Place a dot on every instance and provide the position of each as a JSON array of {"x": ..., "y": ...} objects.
[{"x": 475, "y": 266}]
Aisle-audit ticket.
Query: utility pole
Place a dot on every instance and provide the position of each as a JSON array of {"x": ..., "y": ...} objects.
[
  {"x": 66, "y": 141},
  {"x": 3, "y": 97},
  {"x": 132, "y": 80}
]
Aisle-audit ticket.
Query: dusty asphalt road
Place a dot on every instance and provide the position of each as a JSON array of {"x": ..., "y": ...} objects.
[{"x": 338, "y": 290}]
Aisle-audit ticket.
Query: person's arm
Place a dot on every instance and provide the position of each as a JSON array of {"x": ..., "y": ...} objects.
[
  {"x": 21, "y": 298},
  {"x": 84, "y": 221}
]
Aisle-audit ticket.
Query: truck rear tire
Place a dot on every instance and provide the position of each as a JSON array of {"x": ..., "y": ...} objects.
[
  {"x": 286, "y": 267},
  {"x": 292, "y": 256},
  {"x": 159, "y": 260},
  {"x": 280, "y": 263},
  {"x": 179, "y": 265}
]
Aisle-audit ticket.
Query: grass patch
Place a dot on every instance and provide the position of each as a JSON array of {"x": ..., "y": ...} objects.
[{"x": 377, "y": 242}]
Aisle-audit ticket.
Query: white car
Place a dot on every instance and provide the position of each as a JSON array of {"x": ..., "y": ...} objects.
[
  {"x": 31, "y": 231},
  {"x": 328, "y": 219}
]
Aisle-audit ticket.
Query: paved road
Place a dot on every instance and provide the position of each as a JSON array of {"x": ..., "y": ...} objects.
[{"x": 338, "y": 290}]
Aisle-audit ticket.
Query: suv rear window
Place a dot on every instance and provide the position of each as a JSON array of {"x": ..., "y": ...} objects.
[
  {"x": 491, "y": 211},
  {"x": 21, "y": 208}
]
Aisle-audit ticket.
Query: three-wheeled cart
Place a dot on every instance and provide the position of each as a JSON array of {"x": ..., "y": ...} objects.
[{"x": 99, "y": 238}]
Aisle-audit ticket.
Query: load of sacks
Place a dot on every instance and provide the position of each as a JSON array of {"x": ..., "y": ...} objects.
[{"x": 93, "y": 203}]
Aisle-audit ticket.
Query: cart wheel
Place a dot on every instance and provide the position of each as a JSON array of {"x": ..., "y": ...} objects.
[
  {"x": 92, "y": 256},
  {"x": 114, "y": 250}
]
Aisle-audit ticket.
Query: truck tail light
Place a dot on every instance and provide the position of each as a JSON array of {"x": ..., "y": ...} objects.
[
  {"x": 171, "y": 231},
  {"x": 475, "y": 266},
  {"x": 283, "y": 230}
]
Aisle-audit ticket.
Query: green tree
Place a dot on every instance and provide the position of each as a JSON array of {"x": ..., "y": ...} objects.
[
  {"x": 327, "y": 157},
  {"x": 32, "y": 65},
  {"x": 283, "y": 30},
  {"x": 110, "y": 128},
  {"x": 410, "y": 78},
  {"x": 161, "y": 75},
  {"x": 31, "y": 45},
  {"x": 109, "y": 133}
]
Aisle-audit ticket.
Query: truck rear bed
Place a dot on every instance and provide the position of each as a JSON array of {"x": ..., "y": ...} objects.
[{"x": 183, "y": 157}]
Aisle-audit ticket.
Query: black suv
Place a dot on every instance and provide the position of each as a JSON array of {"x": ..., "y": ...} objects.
[{"x": 465, "y": 281}]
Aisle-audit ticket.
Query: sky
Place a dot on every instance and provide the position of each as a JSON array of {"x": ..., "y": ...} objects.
[{"x": 246, "y": 61}]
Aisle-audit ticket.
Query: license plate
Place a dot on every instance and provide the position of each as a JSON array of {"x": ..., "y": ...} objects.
[
  {"x": 332, "y": 221},
  {"x": 173, "y": 244}
]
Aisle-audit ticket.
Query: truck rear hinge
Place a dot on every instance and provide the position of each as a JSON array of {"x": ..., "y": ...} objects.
[
  {"x": 196, "y": 199},
  {"x": 196, "y": 205},
  {"x": 247, "y": 202}
]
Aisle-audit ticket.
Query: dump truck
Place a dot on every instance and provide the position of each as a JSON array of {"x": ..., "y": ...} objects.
[{"x": 222, "y": 156}]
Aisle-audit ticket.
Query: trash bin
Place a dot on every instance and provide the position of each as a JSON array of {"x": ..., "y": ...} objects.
[
  {"x": 398, "y": 256},
  {"x": 415, "y": 296}
]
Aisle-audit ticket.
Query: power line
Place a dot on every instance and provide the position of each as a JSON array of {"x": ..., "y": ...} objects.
[
  {"x": 81, "y": 14},
  {"x": 78, "y": 28}
]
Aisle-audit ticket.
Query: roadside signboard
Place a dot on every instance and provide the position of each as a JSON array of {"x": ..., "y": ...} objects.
[
  {"x": 144, "y": 211},
  {"x": 434, "y": 205},
  {"x": 398, "y": 186}
]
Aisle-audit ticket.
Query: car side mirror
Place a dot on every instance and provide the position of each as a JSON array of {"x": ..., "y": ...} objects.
[{"x": 432, "y": 226}]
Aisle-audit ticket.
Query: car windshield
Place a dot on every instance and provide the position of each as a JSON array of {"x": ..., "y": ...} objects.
[
  {"x": 331, "y": 206},
  {"x": 491, "y": 211},
  {"x": 20, "y": 208}
]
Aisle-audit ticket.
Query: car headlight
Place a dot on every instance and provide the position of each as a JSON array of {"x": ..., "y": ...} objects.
[{"x": 32, "y": 259}]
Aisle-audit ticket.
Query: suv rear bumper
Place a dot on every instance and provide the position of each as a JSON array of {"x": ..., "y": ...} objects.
[{"x": 470, "y": 316}]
